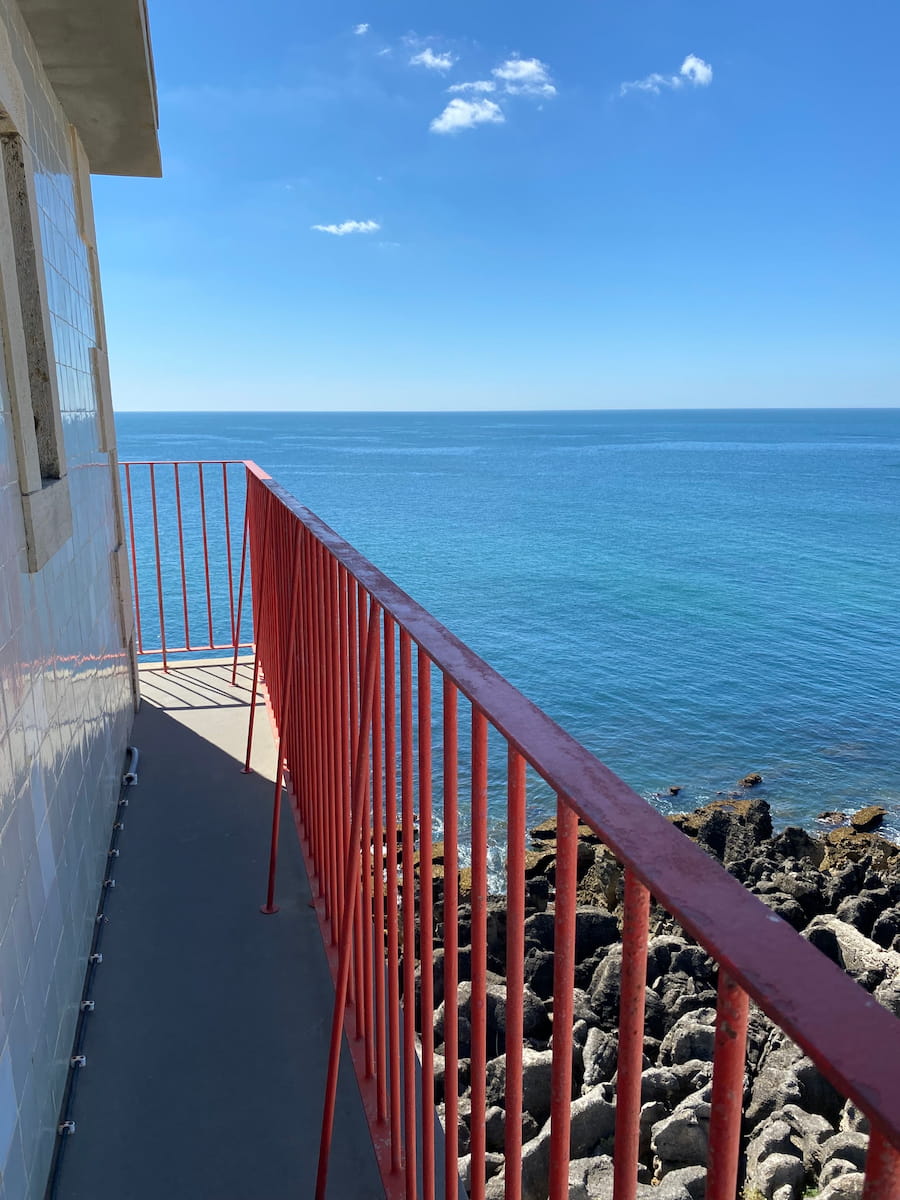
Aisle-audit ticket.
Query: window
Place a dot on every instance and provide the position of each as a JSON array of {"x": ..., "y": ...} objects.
[{"x": 29, "y": 361}]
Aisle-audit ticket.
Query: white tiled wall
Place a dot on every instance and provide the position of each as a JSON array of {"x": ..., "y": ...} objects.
[{"x": 65, "y": 695}]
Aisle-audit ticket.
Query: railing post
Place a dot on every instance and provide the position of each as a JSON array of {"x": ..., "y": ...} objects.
[
  {"x": 352, "y": 884},
  {"x": 563, "y": 1004},
  {"x": 261, "y": 554},
  {"x": 882, "y": 1168},
  {"x": 726, "y": 1105},
  {"x": 635, "y": 923},
  {"x": 159, "y": 586},
  {"x": 287, "y": 677}
]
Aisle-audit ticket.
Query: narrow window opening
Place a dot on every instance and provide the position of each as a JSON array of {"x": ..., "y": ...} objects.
[{"x": 28, "y": 268}]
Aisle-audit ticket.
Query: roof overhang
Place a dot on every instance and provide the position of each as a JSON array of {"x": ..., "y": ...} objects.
[{"x": 97, "y": 56}]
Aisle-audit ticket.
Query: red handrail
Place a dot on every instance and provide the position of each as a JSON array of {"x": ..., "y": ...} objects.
[
  {"x": 852, "y": 1040},
  {"x": 348, "y": 658}
]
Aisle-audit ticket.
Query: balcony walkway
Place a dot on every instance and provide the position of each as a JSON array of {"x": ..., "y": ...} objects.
[{"x": 207, "y": 1052}]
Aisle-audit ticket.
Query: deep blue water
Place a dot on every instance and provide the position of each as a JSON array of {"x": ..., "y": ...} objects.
[{"x": 693, "y": 595}]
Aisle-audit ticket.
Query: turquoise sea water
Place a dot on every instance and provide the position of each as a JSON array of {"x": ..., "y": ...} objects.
[{"x": 694, "y": 595}]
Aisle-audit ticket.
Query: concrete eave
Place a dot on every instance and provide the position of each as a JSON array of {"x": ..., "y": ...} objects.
[{"x": 97, "y": 56}]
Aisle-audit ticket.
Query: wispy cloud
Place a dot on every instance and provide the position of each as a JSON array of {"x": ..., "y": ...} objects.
[
  {"x": 525, "y": 77},
  {"x": 476, "y": 85},
  {"x": 359, "y": 30},
  {"x": 434, "y": 62},
  {"x": 693, "y": 71},
  {"x": 348, "y": 227},
  {"x": 466, "y": 114}
]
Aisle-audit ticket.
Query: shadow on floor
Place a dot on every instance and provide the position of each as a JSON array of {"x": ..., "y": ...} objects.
[{"x": 206, "y": 1055}]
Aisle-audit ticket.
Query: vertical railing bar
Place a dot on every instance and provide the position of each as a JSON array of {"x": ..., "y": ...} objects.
[
  {"x": 184, "y": 590},
  {"x": 478, "y": 1008},
  {"x": 263, "y": 557},
  {"x": 321, "y": 717},
  {"x": 882, "y": 1181},
  {"x": 515, "y": 971},
  {"x": 635, "y": 926},
  {"x": 450, "y": 918},
  {"x": 356, "y": 969},
  {"x": 726, "y": 1103},
  {"x": 407, "y": 824},
  {"x": 205, "y": 552},
  {"x": 228, "y": 545},
  {"x": 336, "y": 757},
  {"x": 240, "y": 605},
  {"x": 159, "y": 585},
  {"x": 307, "y": 800},
  {"x": 287, "y": 655},
  {"x": 360, "y": 772},
  {"x": 378, "y": 898},
  {"x": 331, "y": 715},
  {"x": 365, "y": 891},
  {"x": 426, "y": 922},
  {"x": 390, "y": 820},
  {"x": 134, "y": 570},
  {"x": 343, "y": 827},
  {"x": 563, "y": 974}
]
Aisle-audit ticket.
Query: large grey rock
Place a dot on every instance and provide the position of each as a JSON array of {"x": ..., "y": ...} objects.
[
  {"x": 683, "y": 1138},
  {"x": 535, "y": 1020},
  {"x": 888, "y": 994},
  {"x": 854, "y": 1118},
  {"x": 651, "y": 1114},
  {"x": 775, "y": 1172},
  {"x": 692, "y": 1179},
  {"x": 844, "y": 1187},
  {"x": 593, "y": 928},
  {"x": 663, "y": 1083},
  {"x": 539, "y": 971},
  {"x": 848, "y": 1145},
  {"x": 834, "y": 1168},
  {"x": 864, "y": 959},
  {"x": 886, "y": 929},
  {"x": 787, "y": 1077},
  {"x": 537, "y": 1067},
  {"x": 592, "y": 1179},
  {"x": 600, "y": 1057},
  {"x": 691, "y": 1037},
  {"x": 593, "y": 1122},
  {"x": 495, "y": 1128},
  {"x": 772, "y": 1137},
  {"x": 492, "y": 1164},
  {"x": 808, "y": 1132}
]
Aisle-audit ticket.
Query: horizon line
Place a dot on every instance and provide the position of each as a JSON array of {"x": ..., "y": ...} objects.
[{"x": 320, "y": 412}]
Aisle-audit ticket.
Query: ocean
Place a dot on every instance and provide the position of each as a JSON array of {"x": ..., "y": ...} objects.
[{"x": 694, "y": 595}]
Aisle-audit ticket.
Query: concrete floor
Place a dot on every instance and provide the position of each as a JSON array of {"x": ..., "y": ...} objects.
[{"x": 207, "y": 1052}]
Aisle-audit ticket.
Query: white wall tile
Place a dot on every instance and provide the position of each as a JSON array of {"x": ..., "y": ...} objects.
[{"x": 65, "y": 694}]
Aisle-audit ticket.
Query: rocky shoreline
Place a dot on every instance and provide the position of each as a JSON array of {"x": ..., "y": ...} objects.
[{"x": 840, "y": 889}]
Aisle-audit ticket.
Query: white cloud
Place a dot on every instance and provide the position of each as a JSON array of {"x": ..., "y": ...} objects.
[
  {"x": 434, "y": 62},
  {"x": 477, "y": 85},
  {"x": 525, "y": 77},
  {"x": 359, "y": 30},
  {"x": 693, "y": 70},
  {"x": 465, "y": 114},
  {"x": 348, "y": 227},
  {"x": 696, "y": 70}
]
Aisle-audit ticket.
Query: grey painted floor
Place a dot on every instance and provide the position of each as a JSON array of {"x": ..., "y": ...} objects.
[{"x": 206, "y": 1054}]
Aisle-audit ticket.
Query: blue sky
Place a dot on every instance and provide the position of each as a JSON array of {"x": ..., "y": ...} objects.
[{"x": 643, "y": 204}]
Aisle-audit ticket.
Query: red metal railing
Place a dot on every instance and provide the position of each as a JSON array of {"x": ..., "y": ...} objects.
[
  {"x": 374, "y": 759},
  {"x": 173, "y": 590}
]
